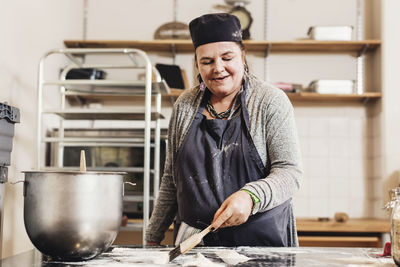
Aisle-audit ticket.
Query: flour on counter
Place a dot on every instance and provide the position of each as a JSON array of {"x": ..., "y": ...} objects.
[
  {"x": 200, "y": 261},
  {"x": 113, "y": 265},
  {"x": 359, "y": 261},
  {"x": 231, "y": 257},
  {"x": 141, "y": 256}
]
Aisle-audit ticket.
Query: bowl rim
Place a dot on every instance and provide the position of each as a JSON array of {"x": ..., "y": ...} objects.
[{"x": 75, "y": 172}]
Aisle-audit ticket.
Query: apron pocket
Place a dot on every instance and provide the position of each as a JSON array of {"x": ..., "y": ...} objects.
[{"x": 263, "y": 229}]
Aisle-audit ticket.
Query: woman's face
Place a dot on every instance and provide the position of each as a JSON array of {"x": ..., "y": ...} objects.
[{"x": 221, "y": 66}]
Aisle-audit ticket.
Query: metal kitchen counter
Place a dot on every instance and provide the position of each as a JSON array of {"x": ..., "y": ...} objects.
[{"x": 260, "y": 256}]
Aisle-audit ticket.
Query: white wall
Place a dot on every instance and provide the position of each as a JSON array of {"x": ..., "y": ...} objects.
[
  {"x": 28, "y": 29},
  {"x": 335, "y": 139}
]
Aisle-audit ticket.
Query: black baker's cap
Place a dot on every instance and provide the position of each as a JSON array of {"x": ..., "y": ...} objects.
[{"x": 217, "y": 27}]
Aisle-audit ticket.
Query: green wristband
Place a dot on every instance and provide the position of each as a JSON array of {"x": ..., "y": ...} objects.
[
  {"x": 255, "y": 200},
  {"x": 253, "y": 197}
]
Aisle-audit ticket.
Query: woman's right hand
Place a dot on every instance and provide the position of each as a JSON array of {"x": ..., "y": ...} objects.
[{"x": 234, "y": 211}]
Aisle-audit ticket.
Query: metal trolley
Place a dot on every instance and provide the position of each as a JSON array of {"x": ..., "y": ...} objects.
[{"x": 135, "y": 60}]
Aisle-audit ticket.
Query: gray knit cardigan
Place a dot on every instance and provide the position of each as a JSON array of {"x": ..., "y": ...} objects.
[{"x": 273, "y": 130}]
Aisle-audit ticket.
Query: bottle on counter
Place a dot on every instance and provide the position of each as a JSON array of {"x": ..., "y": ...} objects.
[{"x": 395, "y": 225}]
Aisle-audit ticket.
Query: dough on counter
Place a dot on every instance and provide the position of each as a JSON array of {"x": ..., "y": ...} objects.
[
  {"x": 200, "y": 261},
  {"x": 231, "y": 257}
]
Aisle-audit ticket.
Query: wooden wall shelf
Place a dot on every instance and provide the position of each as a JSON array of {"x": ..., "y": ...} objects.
[
  {"x": 294, "y": 97},
  {"x": 367, "y": 96},
  {"x": 303, "y": 97},
  {"x": 367, "y": 225},
  {"x": 180, "y": 46},
  {"x": 352, "y": 233},
  {"x": 298, "y": 46}
]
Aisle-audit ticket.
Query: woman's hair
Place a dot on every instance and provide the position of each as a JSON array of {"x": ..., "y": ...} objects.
[{"x": 241, "y": 46}]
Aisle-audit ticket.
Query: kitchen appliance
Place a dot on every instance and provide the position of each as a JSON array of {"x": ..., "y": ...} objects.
[
  {"x": 236, "y": 8},
  {"x": 111, "y": 157},
  {"x": 8, "y": 117},
  {"x": 72, "y": 215}
]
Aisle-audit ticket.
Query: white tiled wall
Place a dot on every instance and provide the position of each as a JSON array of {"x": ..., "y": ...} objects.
[
  {"x": 334, "y": 143},
  {"x": 377, "y": 189}
]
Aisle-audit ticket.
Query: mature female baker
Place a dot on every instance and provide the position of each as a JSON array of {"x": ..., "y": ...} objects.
[{"x": 233, "y": 157}]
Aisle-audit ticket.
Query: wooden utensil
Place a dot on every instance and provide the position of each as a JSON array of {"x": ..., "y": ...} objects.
[
  {"x": 188, "y": 244},
  {"x": 83, "y": 161}
]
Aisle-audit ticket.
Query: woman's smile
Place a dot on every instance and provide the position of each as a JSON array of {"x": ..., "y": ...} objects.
[{"x": 221, "y": 79}]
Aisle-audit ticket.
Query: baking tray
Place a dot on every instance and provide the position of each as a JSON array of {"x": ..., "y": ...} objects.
[{"x": 103, "y": 114}]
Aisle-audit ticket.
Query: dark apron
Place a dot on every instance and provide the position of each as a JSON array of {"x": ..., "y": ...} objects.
[{"x": 216, "y": 159}]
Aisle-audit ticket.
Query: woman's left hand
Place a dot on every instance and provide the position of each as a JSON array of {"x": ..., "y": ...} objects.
[{"x": 235, "y": 210}]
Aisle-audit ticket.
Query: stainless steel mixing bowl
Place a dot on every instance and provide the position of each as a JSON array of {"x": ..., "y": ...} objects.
[{"x": 72, "y": 216}]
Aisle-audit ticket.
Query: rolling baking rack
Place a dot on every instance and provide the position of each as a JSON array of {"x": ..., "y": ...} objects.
[{"x": 116, "y": 88}]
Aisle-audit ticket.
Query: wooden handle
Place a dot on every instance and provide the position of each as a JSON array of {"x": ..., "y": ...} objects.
[
  {"x": 83, "y": 161},
  {"x": 205, "y": 231},
  {"x": 194, "y": 240}
]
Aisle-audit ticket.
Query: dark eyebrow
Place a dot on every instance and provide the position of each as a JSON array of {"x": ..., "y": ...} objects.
[
  {"x": 223, "y": 54},
  {"x": 227, "y": 53},
  {"x": 205, "y": 58}
]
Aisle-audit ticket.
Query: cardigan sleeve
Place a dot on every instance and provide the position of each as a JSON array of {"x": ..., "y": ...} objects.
[
  {"x": 165, "y": 207},
  {"x": 282, "y": 150}
]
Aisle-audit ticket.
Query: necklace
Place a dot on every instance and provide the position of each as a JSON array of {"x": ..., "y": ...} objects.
[
  {"x": 222, "y": 115},
  {"x": 227, "y": 114}
]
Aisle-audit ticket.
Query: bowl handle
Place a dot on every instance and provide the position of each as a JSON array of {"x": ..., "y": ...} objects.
[
  {"x": 21, "y": 181},
  {"x": 123, "y": 186}
]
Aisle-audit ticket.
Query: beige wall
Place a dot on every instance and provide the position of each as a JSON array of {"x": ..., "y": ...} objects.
[
  {"x": 388, "y": 118},
  {"x": 342, "y": 172},
  {"x": 28, "y": 29}
]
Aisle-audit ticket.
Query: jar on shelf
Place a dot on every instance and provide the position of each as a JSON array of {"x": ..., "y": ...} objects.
[{"x": 395, "y": 225}]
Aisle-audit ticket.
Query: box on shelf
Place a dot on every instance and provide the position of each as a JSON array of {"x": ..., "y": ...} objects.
[
  {"x": 288, "y": 87},
  {"x": 331, "y": 33},
  {"x": 332, "y": 86}
]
